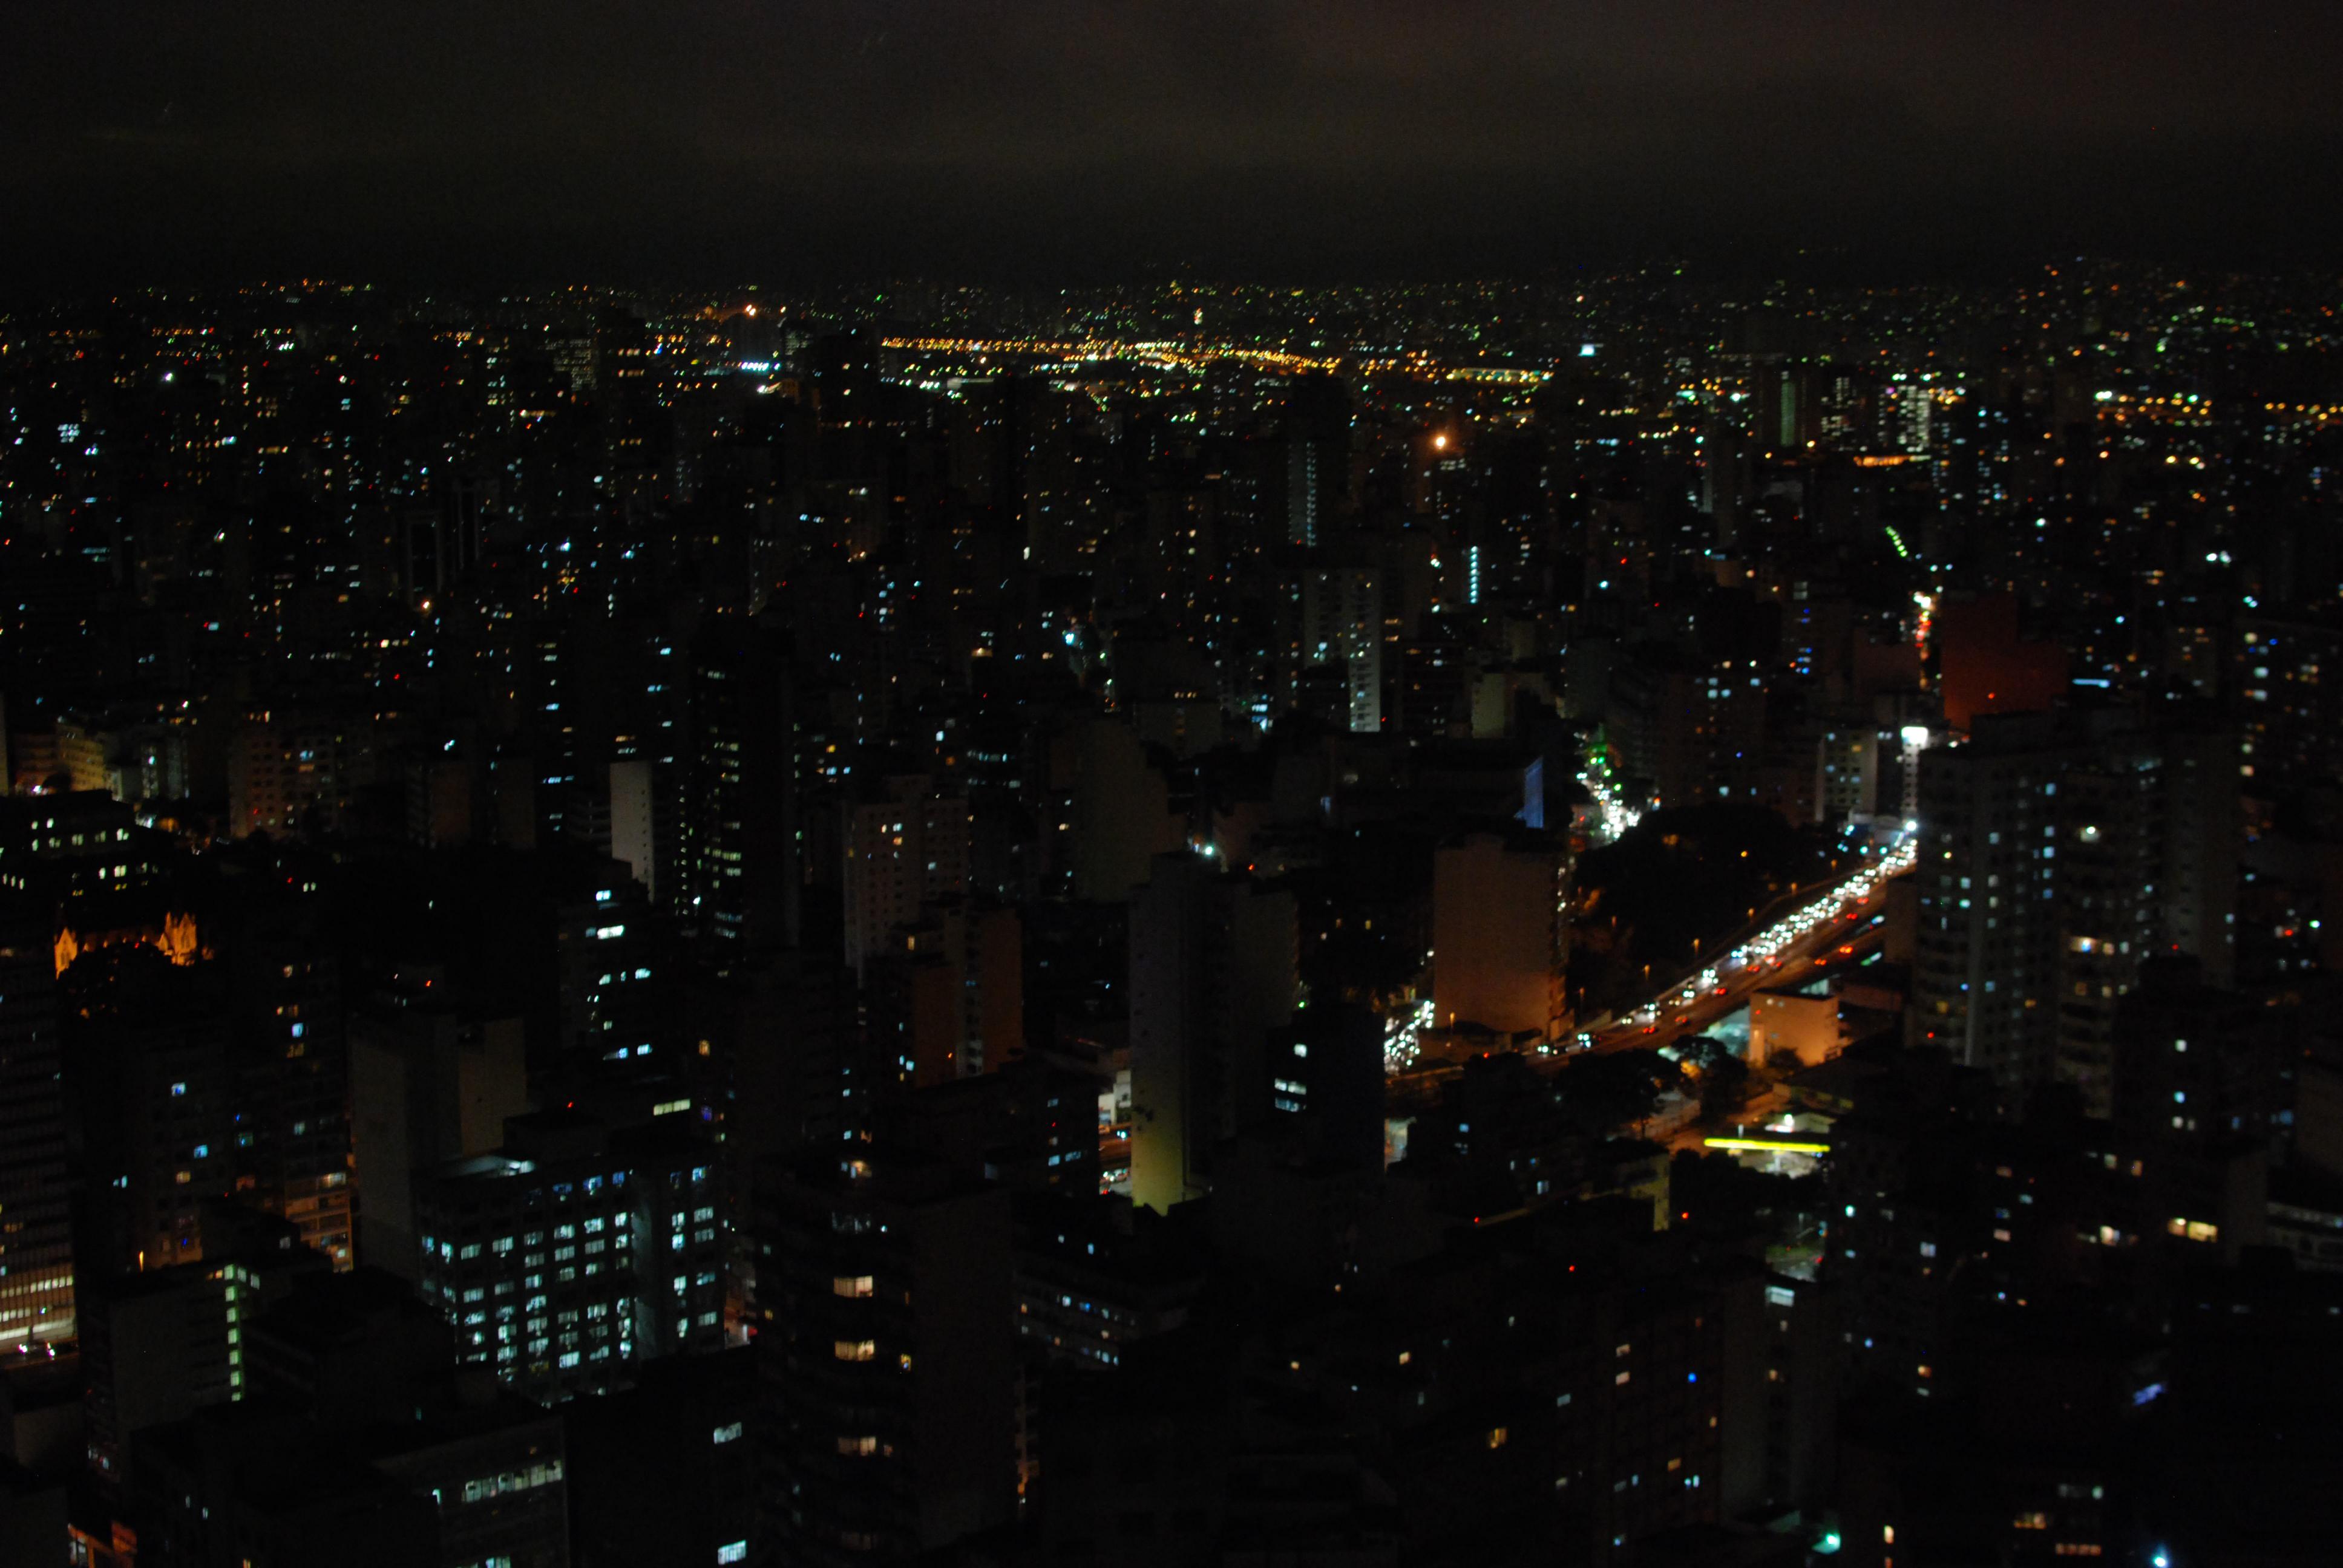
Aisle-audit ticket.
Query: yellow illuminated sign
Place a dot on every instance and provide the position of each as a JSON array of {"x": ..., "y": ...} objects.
[{"x": 1765, "y": 1146}]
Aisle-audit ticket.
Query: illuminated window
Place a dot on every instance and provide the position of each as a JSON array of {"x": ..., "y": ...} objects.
[
  {"x": 850, "y": 1285},
  {"x": 1497, "y": 1437},
  {"x": 854, "y": 1349},
  {"x": 728, "y": 1433},
  {"x": 857, "y": 1445},
  {"x": 732, "y": 1551}
]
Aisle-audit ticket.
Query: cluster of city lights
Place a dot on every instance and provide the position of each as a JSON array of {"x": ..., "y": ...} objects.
[
  {"x": 1195, "y": 358},
  {"x": 1613, "y": 815},
  {"x": 1857, "y": 890},
  {"x": 1402, "y": 1037}
]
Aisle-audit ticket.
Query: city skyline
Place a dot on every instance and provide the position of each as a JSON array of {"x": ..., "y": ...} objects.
[{"x": 1010, "y": 784}]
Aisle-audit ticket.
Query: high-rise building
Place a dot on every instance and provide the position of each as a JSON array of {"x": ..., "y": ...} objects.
[
  {"x": 739, "y": 850},
  {"x": 574, "y": 1253},
  {"x": 787, "y": 1033},
  {"x": 1691, "y": 728},
  {"x": 1213, "y": 970},
  {"x": 56, "y": 847},
  {"x": 2198, "y": 1082},
  {"x": 1501, "y": 933},
  {"x": 359, "y": 1447},
  {"x": 1987, "y": 667},
  {"x": 1315, "y": 444},
  {"x": 905, "y": 851},
  {"x": 153, "y": 1095},
  {"x": 157, "y": 1346},
  {"x": 916, "y": 1016},
  {"x": 1341, "y": 622},
  {"x": 2057, "y": 854},
  {"x": 1088, "y": 1288},
  {"x": 946, "y": 997},
  {"x": 2292, "y": 719},
  {"x": 1116, "y": 814},
  {"x": 289, "y": 1059},
  {"x": 664, "y": 1475},
  {"x": 36, "y": 1268},
  {"x": 286, "y": 772},
  {"x": 604, "y": 950},
  {"x": 1327, "y": 1075},
  {"x": 887, "y": 1335},
  {"x": 634, "y": 820},
  {"x": 428, "y": 1085},
  {"x": 1988, "y": 877},
  {"x": 2149, "y": 843}
]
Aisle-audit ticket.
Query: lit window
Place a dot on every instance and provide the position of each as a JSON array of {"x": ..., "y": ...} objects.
[{"x": 850, "y": 1285}]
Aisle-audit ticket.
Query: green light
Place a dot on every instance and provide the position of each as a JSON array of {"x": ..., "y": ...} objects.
[{"x": 1828, "y": 1543}]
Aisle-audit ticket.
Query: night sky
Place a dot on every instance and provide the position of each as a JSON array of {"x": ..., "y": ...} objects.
[{"x": 530, "y": 140}]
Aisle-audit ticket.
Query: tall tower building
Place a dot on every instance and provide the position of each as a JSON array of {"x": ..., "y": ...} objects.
[
  {"x": 37, "y": 1271},
  {"x": 429, "y": 1083},
  {"x": 290, "y": 1062},
  {"x": 741, "y": 851},
  {"x": 1342, "y": 623},
  {"x": 634, "y": 821},
  {"x": 887, "y": 1344},
  {"x": 1316, "y": 447},
  {"x": 905, "y": 851},
  {"x": 148, "y": 1068},
  {"x": 1988, "y": 872},
  {"x": 2057, "y": 853},
  {"x": 1213, "y": 971},
  {"x": 1501, "y": 933}
]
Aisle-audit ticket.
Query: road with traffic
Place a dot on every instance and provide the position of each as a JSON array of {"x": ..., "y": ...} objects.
[{"x": 1839, "y": 929}]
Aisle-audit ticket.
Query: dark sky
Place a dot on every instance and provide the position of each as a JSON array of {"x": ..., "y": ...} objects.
[{"x": 495, "y": 140}]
